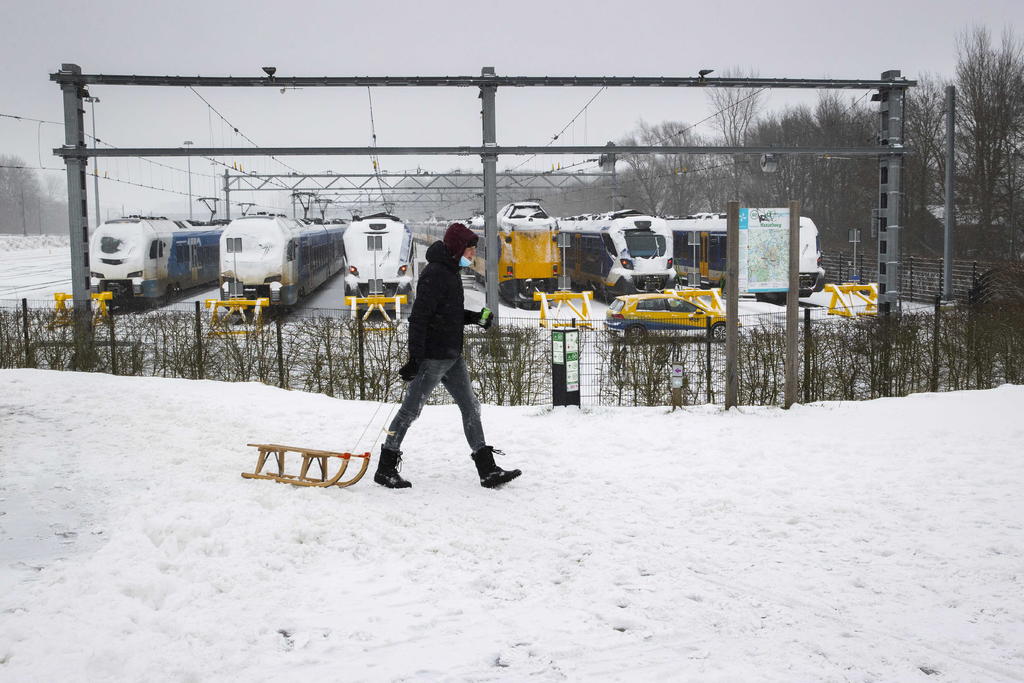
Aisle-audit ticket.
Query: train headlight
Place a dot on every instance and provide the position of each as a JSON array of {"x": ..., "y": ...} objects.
[
  {"x": 402, "y": 268},
  {"x": 98, "y": 276},
  {"x": 669, "y": 263},
  {"x": 134, "y": 273},
  {"x": 353, "y": 270},
  {"x": 626, "y": 263}
]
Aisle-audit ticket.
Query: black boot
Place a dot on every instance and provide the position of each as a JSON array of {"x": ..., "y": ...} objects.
[
  {"x": 387, "y": 470},
  {"x": 491, "y": 476}
]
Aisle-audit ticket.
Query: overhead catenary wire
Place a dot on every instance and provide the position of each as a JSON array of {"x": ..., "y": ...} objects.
[
  {"x": 373, "y": 157},
  {"x": 237, "y": 130},
  {"x": 565, "y": 127}
]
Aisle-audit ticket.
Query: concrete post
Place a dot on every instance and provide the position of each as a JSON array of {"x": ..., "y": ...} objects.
[
  {"x": 732, "y": 301},
  {"x": 890, "y": 107}
]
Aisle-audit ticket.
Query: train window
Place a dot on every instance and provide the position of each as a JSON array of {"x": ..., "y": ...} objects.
[
  {"x": 181, "y": 252},
  {"x": 234, "y": 244},
  {"x": 374, "y": 242},
  {"x": 608, "y": 243},
  {"x": 644, "y": 243},
  {"x": 291, "y": 250},
  {"x": 153, "y": 246},
  {"x": 110, "y": 245},
  {"x": 528, "y": 211}
]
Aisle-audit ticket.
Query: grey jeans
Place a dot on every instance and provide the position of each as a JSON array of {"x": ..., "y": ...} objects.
[{"x": 452, "y": 373}]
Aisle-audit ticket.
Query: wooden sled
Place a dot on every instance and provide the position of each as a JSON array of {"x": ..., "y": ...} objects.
[{"x": 309, "y": 456}]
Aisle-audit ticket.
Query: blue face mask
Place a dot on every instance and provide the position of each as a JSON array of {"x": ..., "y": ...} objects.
[{"x": 464, "y": 262}]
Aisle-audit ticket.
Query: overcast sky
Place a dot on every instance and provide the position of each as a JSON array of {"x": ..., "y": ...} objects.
[{"x": 784, "y": 38}]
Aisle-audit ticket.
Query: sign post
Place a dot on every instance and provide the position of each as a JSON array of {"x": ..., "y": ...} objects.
[
  {"x": 854, "y": 239},
  {"x": 676, "y": 382},
  {"x": 565, "y": 367}
]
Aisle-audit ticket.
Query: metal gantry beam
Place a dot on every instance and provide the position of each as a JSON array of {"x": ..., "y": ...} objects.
[
  {"x": 424, "y": 182},
  {"x": 483, "y": 80},
  {"x": 501, "y": 150},
  {"x": 74, "y": 83}
]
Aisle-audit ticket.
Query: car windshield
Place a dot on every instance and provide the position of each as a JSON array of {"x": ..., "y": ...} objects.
[{"x": 644, "y": 243}]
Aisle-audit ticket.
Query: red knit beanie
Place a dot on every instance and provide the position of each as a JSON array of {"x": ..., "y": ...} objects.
[{"x": 457, "y": 238}]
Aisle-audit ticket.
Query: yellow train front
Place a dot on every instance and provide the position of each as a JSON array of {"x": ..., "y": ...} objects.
[{"x": 529, "y": 260}]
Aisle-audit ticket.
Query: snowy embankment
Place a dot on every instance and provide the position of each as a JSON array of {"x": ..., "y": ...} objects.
[
  {"x": 856, "y": 541},
  {"x": 28, "y": 242}
]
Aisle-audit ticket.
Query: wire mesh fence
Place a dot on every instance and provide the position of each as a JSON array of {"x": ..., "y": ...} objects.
[
  {"x": 921, "y": 278},
  {"x": 329, "y": 352}
]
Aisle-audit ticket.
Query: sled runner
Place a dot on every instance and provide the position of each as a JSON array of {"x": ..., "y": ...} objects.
[{"x": 309, "y": 456}]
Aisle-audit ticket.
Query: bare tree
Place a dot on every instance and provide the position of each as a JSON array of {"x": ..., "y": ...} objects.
[
  {"x": 657, "y": 183},
  {"x": 734, "y": 111},
  {"x": 990, "y": 118},
  {"x": 924, "y": 170}
]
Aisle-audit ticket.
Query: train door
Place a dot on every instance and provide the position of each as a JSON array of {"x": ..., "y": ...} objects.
[
  {"x": 158, "y": 259},
  {"x": 194, "y": 262},
  {"x": 704, "y": 238}
]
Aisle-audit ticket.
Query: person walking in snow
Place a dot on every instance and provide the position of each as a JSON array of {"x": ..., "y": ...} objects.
[{"x": 435, "y": 357}]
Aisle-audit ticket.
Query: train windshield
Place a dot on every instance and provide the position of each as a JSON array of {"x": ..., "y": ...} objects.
[
  {"x": 119, "y": 240},
  {"x": 110, "y": 245},
  {"x": 528, "y": 211},
  {"x": 644, "y": 243}
]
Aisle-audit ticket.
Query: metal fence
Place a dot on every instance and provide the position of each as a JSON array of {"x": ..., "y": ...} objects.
[
  {"x": 327, "y": 351},
  {"x": 921, "y": 279}
]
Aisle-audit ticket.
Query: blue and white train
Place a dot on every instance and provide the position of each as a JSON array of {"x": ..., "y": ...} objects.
[
  {"x": 279, "y": 258},
  {"x": 699, "y": 247},
  {"x": 150, "y": 260},
  {"x": 623, "y": 252},
  {"x": 379, "y": 257}
]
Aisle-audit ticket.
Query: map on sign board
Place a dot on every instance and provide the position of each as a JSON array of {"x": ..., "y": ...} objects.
[{"x": 764, "y": 250}]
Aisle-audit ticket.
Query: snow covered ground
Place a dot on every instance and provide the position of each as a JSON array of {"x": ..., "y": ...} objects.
[{"x": 840, "y": 541}]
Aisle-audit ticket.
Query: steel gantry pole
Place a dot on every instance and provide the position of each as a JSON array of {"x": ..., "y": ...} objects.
[
  {"x": 227, "y": 196},
  {"x": 490, "y": 163},
  {"x": 95, "y": 169},
  {"x": 890, "y": 190},
  {"x": 78, "y": 219}
]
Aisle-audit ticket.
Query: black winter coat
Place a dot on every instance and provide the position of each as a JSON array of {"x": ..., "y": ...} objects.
[{"x": 437, "y": 318}]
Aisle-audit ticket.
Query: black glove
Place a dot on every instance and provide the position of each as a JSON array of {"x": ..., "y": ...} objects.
[
  {"x": 485, "y": 319},
  {"x": 409, "y": 370}
]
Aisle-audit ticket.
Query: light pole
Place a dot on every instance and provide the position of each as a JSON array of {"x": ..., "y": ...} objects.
[
  {"x": 189, "y": 143},
  {"x": 95, "y": 161}
]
